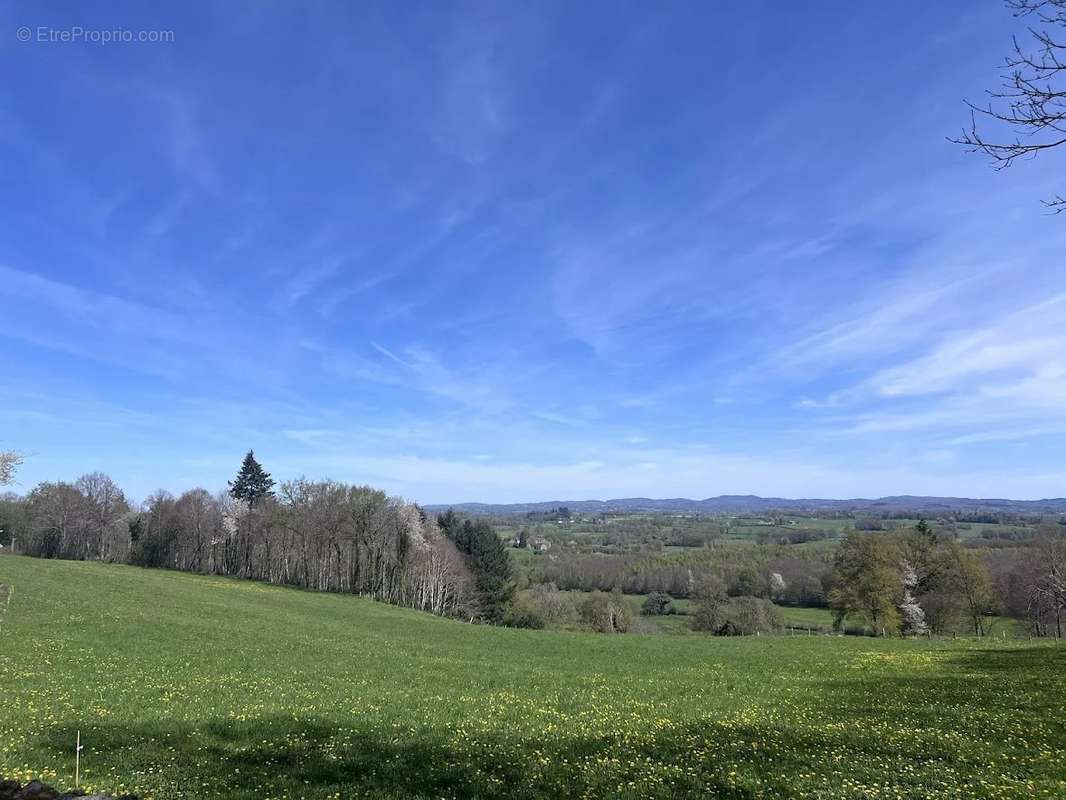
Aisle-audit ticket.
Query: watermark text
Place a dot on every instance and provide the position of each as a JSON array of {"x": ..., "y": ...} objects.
[{"x": 76, "y": 34}]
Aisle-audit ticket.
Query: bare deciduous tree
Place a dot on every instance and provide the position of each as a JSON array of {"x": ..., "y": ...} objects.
[
  {"x": 322, "y": 535},
  {"x": 54, "y": 512},
  {"x": 1048, "y": 592},
  {"x": 1031, "y": 103},
  {"x": 9, "y": 462},
  {"x": 105, "y": 537},
  {"x": 81, "y": 520}
]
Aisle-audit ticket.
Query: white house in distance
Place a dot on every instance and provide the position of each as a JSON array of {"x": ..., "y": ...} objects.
[{"x": 536, "y": 543}]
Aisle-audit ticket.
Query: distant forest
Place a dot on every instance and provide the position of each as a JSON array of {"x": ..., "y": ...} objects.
[{"x": 881, "y": 573}]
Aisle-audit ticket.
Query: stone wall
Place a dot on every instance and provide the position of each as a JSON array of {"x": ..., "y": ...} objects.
[{"x": 35, "y": 790}]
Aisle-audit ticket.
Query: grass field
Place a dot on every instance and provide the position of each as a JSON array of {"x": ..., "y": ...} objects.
[
  {"x": 188, "y": 686},
  {"x": 807, "y": 617}
]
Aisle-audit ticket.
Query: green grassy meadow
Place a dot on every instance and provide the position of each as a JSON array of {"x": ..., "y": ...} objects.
[{"x": 190, "y": 686}]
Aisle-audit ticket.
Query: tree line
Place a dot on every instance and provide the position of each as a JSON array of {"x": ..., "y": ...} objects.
[
  {"x": 323, "y": 535},
  {"x": 916, "y": 582},
  {"x": 739, "y": 569}
]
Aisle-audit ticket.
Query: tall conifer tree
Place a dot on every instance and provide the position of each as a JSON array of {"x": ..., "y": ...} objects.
[{"x": 252, "y": 483}]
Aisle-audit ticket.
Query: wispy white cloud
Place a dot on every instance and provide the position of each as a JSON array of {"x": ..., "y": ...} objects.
[
  {"x": 419, "y": 371},
  {"x": 889, "y": 320},
  {"x": 186, "y": 144},
  {"x": 1003, "y": 380},
  {"x": 175, "y": 344},
  {"x": 306, "y": 280},
  {"x": 559, "y": 419},
  {"x": 474, "y": 101},
  {"x": 1001, "y": 358},
  {"x": 668, "y": 473},
  {"x": 96, "y": 309}
]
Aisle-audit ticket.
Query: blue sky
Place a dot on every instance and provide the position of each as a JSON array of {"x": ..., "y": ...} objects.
[{"x": 510, "y": 252}]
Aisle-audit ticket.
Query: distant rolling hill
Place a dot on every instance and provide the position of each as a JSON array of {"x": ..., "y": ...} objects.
[{"x": 749, "y": 503}]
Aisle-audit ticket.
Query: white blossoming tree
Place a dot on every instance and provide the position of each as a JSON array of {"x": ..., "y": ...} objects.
[
  {"x": 912, "y": 617},
  {"x": 777, "y": 585}
]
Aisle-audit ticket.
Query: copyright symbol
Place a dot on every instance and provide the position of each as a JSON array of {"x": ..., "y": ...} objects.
[{"x": 23, "y": 34}]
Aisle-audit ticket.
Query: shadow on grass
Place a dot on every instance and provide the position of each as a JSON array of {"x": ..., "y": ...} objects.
[
  {"x": 1025, "y": 680},
  {"x": 947, "y": 718},
  {"x": 276, "y": 756},
  {"x": 969, "y": 707},
  {"x": 1036, "y": 658}
]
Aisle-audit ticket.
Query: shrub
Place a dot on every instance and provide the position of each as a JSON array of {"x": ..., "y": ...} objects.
[
  {"x": 736, "y": 616},
  {"x": 607, "y": 613},
  {"x": 657, "y": 604},
  {"x": 557, "y": 609},
  {"x": 708, "y": 613},
  {"x": 522, "y": 612}
]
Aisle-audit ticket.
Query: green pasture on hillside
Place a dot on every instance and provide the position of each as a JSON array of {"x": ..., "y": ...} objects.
[{"x": 192, "y": 686}]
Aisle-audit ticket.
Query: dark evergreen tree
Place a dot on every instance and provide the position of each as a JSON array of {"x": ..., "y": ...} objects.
[
  {"x": 450, "y": 524},
  {"x": 487, "y": 559},
  {"x": 253, "y": 483}
]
